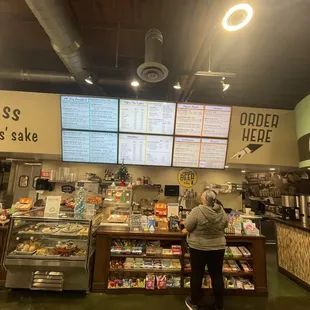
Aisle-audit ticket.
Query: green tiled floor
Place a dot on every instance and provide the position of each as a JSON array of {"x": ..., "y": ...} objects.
[{"x": 283, "y": 295}]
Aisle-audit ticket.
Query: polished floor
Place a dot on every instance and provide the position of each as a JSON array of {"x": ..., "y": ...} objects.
[{"x": 283, "y": 295}]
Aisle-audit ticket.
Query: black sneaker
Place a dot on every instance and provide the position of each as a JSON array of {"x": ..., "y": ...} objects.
[{"x": 189, "y": 305}]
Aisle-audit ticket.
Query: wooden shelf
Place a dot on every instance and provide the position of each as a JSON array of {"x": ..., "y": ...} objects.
[
  {"x": 227, "y": 258},
  {"x": 145, "y": 270},
  {"x": 233, "y": 274},
  {"x": 146, "y": 256}
]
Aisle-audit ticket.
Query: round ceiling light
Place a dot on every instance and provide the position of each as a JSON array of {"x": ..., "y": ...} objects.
[{"x": 237, "y": 17}]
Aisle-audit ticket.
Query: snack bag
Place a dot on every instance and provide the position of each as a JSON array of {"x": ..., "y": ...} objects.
[
  {"x": 150, "y": 282},
  {"x": 161, "y": 281}
]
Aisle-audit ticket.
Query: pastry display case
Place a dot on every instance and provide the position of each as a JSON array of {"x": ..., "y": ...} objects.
[
  {"x": 117, "y": 208},
  {"x": 50, "y": 253}
]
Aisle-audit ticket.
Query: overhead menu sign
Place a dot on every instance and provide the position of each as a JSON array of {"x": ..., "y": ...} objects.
[
  {"x": 202, "y": 120},
  {"x": 89, "y": 147},
  {"x": 199, "y": 153},
  {"x": 89, "y": 113},
  {"x": 151, "y": 117},
  {"x": 145, "y": 150}
]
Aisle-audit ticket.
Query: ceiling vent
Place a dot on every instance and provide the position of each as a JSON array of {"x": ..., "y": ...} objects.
[{"x": 152, "y": 70}]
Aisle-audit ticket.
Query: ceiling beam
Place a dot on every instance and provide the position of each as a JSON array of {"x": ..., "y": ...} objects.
[{"x": 195, "y": 60}]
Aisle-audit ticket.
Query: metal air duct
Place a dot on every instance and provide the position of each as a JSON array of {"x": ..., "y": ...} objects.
[
  {"x": 38, "y": 76},
  {"x": 152, "y": 70},
  {"x": 54, "y": 16}
]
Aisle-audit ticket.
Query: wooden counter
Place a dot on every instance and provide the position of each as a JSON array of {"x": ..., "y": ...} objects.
[
  {"x": 293, "y": 246},
  {"x": 256, "y": 245}
]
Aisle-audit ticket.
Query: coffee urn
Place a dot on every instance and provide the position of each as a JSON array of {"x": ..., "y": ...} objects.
[
  {"x": 288, "y": 207},
  {"x": 304, "y": 203}
]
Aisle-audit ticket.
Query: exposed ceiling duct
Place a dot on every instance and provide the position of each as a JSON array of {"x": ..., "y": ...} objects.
[
  {"x": 152, "y": 70},
  {"x": 37, "y": 76},
  {"x": 55, "y": 18}
]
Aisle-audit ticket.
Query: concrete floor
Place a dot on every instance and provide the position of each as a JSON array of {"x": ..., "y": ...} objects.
[{"x": 283, "y": 295}]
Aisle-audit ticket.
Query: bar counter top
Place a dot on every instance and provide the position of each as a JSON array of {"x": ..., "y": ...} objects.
[
  {"x": 179, "y": 234},
  {"x": 295, "y": 224}
]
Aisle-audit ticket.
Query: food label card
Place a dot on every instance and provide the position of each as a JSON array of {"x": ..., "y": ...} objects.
[{"x": 52, "y": 206}]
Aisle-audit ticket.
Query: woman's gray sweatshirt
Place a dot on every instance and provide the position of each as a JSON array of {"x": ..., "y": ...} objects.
[{"x": 205, "y": 226}]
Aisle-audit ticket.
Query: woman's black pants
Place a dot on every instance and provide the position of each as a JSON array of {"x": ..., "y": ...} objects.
[{"x": 214, "y": 261}]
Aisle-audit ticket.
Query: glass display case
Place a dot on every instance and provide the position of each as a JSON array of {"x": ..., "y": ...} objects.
[
  {"x": 117, "y": 208},
  {"x": 44, "y": 253}
]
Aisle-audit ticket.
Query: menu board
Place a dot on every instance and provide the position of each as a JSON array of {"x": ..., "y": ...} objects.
[
  {"x": 89, "y": 147},
  {"x": 199, "y": 153},
  {"x": 151, "y": 117},
  {"x": 202, "y": 120},
  {"x": 145, "y": 150},
  {"x": 89, "y": 113}
]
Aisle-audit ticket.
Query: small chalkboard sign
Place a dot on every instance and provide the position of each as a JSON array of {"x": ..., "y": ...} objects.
[{"x": 67, "y": 189}]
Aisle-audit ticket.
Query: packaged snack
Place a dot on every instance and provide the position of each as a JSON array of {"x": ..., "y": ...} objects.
[
  {"x": 235, "y": 252},
  {"x": 126, "y": 283},
  {"x": 233, "y": 266},
  {"x": 129, "y": 263},
  {"x": 138, "y": 263},
  {"x": 187, "y": 265},
  {"x": 176, "y": 281},
  {"x": 176, "y": 250},
  {"x": 246, "y": 266},
  {"x": 150, "y": 282},
  {"x": 141, "y": 282},
  {"x": 170, "y": 280},
  {"x": 167, "y": 252},
  {"x": 148, "y": 263},
  {"x": 144, "y": 223},
  {"x": 245, "y": 252},
  {"x": 187, "y": 282},
  {"x": 134, "y": 282},
  {"x": 166, "y": 263},
  {"x": 176, "y": 264},
  {"x": 161, "y": 281},
  {"x": 157, "y": 264}
]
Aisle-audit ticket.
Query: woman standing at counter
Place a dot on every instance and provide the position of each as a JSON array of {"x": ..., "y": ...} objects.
[{"x": 205, "y": 225}]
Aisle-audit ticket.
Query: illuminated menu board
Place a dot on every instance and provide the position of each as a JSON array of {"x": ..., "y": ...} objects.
[
  {"x": 89, "y": 147},
  {"x": 202, "y": 120},
  {"x": 89, "y": 113},
  {"x": 145, "y": 150},
  {"x": 137, "y": 116},
  {"x": 199, "y": 152}
]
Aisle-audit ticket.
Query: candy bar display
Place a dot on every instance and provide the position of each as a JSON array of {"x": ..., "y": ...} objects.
[
  {"x": 131, "y": 263},
  {"x": 230, "y": 283},
  {"x": 140, "y": 248}
]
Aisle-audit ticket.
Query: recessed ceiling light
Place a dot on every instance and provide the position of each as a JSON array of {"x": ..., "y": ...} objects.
[
  {"x": 177, "y": 85},
  {"x": 243, "y": 171},
  {"x": 134, "y": 83},
  {"x": 272, "y": 169},
  {"x": 244, "y": 10},
  {"x": 226, "y": 167}
]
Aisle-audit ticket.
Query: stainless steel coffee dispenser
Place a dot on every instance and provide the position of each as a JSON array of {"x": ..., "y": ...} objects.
[{"x": 304, "y": 203}]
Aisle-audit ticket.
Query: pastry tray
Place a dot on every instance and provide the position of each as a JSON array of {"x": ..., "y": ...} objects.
[{"x": 23, "y": 253}]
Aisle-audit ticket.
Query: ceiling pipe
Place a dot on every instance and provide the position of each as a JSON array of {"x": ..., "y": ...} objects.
[
  {"x": 37, "y": 76},
  {"x": 55, "y": 18}
]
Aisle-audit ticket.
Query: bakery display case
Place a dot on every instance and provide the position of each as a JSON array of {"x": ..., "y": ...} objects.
[
  {"x": 50, "y": 253},
  {"x": 117, "y": 208}
]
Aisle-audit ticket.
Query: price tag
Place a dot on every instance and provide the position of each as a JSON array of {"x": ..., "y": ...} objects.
[{"x": 52, "y": 206}]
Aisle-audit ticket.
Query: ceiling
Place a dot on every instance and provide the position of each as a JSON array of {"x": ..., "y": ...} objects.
[{"x": 271, "y": 56}]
